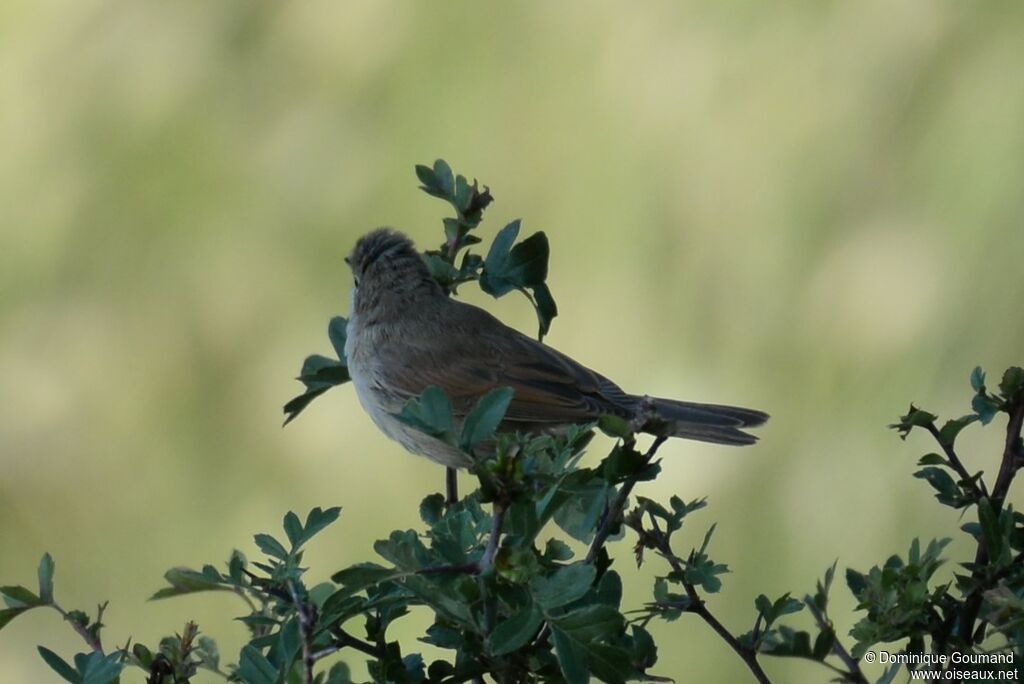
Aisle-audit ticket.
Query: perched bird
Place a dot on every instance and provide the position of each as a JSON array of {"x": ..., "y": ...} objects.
[{"x": 404, "y": 334}]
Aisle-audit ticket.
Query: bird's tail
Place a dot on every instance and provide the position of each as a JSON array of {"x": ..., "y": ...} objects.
[{"x": 706, "y": 422}]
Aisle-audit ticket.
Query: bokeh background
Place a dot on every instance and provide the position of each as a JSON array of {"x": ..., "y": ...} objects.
[{"x": 811, "y": 208}]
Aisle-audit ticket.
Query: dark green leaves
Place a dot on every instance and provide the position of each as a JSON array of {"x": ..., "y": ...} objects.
[
  {"x": 915, "y": 418},
  {"x": 578, "y": 638},
  {"x": 522, "y": 266},
  {"x": 565, "y": 585},
  {"x": 320, "y": 373},
  {"x": 1011, "y": 393},
  {"x": 254, "y": 668},
  {"x": 45, "y": 573},
  {"x": 431, "y": 413},
  {"x": 485, "y": 417},
  {"x": 91, "y": 668},
  {"x": 515, "y": 631},
  {"x": 316, "y": 520}
]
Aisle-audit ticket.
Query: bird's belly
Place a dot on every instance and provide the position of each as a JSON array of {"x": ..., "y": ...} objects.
[{"x": 381, "y": 406}]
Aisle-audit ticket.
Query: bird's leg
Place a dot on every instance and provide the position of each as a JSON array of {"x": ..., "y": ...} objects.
[{"x": 451, "y": 486}]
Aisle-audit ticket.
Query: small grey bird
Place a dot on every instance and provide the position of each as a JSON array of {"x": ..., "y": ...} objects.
[{"x": 405, "y": 334}]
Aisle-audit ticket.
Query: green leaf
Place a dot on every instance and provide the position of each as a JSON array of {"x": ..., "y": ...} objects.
[
  {"x": 431, "y": 413},
  {"x": 565, "y": 585},
  {"x": 293, "y": 528},
  {"x": 508, "y": 267},
  {"x": 339, "y": 674},
  {"x": 580, "y": 507},
  {"x": 978, "y": 379},
  {"x": 1012, "y": 382},
  {"x": 59, "y": 665},
  {"x": 432, "y": 508},
  {"x": 187, "y": 581},
  {"x": 46, "y": 566},
  {"x": 316, "y": 521},
  {"x": 19, "y": 597},
  {"x": 100, "y": 669},
  {"x": 557, "y": 550},
  {"x": 270, "y": 546},
  {"x": 516, "y": 631},
  {"x": 496, "y": 262},
  {"x": 337, "y": 332},
  {"x": 952, "y": 428},
  {"x": 947, "y": 491},
  {"x": 440, "y": 270},
  {"x": 991, "y": 529},
  {"x": 358, "y": 577},
  {"x": 932, "y": 459},
  {"x": 298, "y": 404},
  {"x": 985, "y": 406},
  {"x": 546, "y": 307},
  {"x": 445, "y": 179},
  {"x": 427, "y": 177},
  {"x": 254, "y": 668},
  {"x": 614, "y": 426},
  {"x": 915, "y": 418},
  {"x": 857, "y": 582},
  {"x": 486, "y": 416},
  {"x": 577, "y": 636},
  {"x": 823, "y": 643}
]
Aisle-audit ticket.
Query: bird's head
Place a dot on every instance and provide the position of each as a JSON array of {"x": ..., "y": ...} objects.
[{"x": 386, "y": 265}]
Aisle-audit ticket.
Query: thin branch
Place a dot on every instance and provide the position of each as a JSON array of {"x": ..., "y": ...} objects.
[
  {"x": 497, "y": 523},
  {"x": 306, "y": 626},
  {"x": 978, "y": 488},
  {"x": 1011, "y": 456},
  {"x": 1007, "y": 470},
  {"x": 697, "y": 606},
  {"x": 92, "y": 640},
  {"x": 451, "y": 486},
  {"x": 464, "y": 569},
  {"x": 611, "y": 515},
  {"x": 837, "y": 647},
  {"x": 343, "y": 639},
  {"x": 614, "y": 511}
]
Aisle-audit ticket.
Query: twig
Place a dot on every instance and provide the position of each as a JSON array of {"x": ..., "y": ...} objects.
[
  {"x": 837, "y": 647},
  {"x": 92, "y": 640},
  {"x": 614, "y": 511},
  {"x": 306, "y": 626},
  {"x": 497, "y": 522},
  {"x": 697, "y": 606},
  {"x": 1007, "y": 470},
  {"x": 342, "y": 640},
  {"x": 451, "y": 486},
  {"x": 1011, "y": 457},
  {"x": 611, "y": 514},
  {"x": 464, "y": 569},
  {"x": 978, "y": 487}
]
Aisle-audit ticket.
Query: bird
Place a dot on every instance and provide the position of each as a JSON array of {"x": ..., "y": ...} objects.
[{"x": 404, "y": 334}]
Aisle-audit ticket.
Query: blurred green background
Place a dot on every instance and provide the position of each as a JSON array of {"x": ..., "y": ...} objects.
[{"x": 810, "y": 208}]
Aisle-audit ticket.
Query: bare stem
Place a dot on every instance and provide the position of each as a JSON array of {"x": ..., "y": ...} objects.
[
  {"x": 697, "y": 606},
  {"x": 497, "y": 522},
  {"x": 614, "y": 512},
  {"x": 838, "y": 649},
  {"x": 93, "y": 641},
  {"x": 451, "y": 485},
  {"x": 979, "y": 488},
  {"x": 306, "y": 625},
  {"x": 1007, "y": 470}
]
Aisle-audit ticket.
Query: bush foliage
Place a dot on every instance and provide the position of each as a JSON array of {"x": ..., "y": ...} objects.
[{"x": 510, "y": 599}]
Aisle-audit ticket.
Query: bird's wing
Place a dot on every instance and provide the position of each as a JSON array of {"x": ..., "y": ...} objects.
[{"x": 484, "y": 354}]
